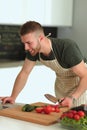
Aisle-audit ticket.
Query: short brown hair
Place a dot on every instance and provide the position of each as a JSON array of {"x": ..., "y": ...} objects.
[{"x": 30, "y": 26}]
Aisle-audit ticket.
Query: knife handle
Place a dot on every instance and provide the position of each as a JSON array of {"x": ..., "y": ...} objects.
[{"x": 60, "y": 101}]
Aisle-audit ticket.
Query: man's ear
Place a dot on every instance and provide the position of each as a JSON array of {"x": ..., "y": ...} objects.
[{"x": 41, "y": 38}]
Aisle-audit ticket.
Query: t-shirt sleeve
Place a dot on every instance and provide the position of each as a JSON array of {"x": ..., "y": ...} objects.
[
  {"x": 30, "y": 57},
  {"x": 72, "y": 55}
]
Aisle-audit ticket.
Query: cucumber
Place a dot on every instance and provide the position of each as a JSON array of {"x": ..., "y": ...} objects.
[{"x": 29, "y": 108}]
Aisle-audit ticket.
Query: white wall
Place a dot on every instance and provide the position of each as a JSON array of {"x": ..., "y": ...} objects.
[
  {"x": 41, "y": 81},
  {"x": 78, "y": 31}
]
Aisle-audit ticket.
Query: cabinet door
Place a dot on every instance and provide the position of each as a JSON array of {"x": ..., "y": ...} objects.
[
  {"x": 58, "y": 12},
  {"x": 47, "y": 12},
  {"x": 11, "y": 11},
  {"x": 20, "y": 11},
  {"x": 34, "y": 10}
]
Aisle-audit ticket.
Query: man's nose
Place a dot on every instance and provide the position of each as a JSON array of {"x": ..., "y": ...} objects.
[{"x": 26, "y": 47}]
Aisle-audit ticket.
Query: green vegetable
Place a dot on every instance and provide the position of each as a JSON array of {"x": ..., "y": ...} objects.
[
  {"x": 76, "y": 125},
  {"x": 28, "y": 107}
]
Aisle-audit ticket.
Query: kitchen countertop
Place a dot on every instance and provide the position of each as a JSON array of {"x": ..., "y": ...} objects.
[
  {"x": 7, "y": 123},
  {"x": 7, "y": 64}
]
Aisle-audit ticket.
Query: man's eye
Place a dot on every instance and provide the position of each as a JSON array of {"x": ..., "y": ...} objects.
[{"x": 29, "y": 42}]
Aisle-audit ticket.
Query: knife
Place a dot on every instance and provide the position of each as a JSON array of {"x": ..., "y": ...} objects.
[
  {"x": 53, "y": 98},
  {"x": 2, "y": 106},
  {"x": 9, "y": 105}
]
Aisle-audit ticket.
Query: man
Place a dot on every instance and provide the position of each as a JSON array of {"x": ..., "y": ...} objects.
[{"x": 61, "y": 55}]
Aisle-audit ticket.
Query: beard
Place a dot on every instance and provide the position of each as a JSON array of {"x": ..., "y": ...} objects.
[{"x": 33, "y": 52}]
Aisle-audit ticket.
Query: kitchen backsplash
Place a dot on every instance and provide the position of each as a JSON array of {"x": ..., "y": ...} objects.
[{"x": 11, "y": 47}]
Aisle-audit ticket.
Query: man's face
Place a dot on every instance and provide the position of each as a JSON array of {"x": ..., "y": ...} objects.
[{"x": 31, "y": 43}]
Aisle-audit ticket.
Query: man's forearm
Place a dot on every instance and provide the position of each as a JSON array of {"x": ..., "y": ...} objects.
[
  {"x": 19, "y": 84},
  {"x": 81, "y": 88}
]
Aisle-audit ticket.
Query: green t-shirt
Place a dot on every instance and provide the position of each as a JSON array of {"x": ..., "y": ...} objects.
[{"x": 66, "y": 52}]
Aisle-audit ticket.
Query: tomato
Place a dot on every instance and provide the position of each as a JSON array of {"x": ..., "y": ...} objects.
[
  {"x": 52, "y": 109},
  {"x": 81, "y": 113},
  {"x": 48, "y": 109},
  {"x": 70, "y": 115},
  {"x": 57, "y": 109},
  {"x": 39, "y": 109},
  {"x": 76, "y": 117},
  {"x": 56, "y": 106},
  {"x": 73, "y": 111},
  {"x": 64, "y": 115},
  {"x": 73, "y": 114}
]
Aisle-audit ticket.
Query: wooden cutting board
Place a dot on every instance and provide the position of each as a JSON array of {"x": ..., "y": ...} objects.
[{"x": 43, "y": 119}]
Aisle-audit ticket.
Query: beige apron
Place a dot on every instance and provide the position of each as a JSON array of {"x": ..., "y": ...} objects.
[{"x": 66, "y": 81}]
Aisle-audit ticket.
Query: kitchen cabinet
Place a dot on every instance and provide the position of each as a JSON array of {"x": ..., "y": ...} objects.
[
  {"x": 47, "y": 12},
  {"x": 11, "y": 11},
  {"x": 58, "y": 12},
  {"x": 50, "y": 12}
]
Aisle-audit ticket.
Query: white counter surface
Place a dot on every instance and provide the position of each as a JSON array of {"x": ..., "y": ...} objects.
[{"x": 7, "y": 123}]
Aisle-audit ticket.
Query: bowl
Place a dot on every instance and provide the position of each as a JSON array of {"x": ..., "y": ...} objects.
[
  {"x": 69, "y": 120},
  {"x": 71, "y": 125}
]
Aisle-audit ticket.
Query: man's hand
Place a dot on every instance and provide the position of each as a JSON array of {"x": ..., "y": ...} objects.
[
  {"x": 67, "y": 101},
  {"x": 7, "y": 100}
]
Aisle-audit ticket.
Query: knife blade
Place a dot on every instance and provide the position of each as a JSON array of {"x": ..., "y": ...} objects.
[
  {"x": 9, "y": 105},
  {"x": 2, "y": 106},
  {"x": 53, "y": 98}
]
